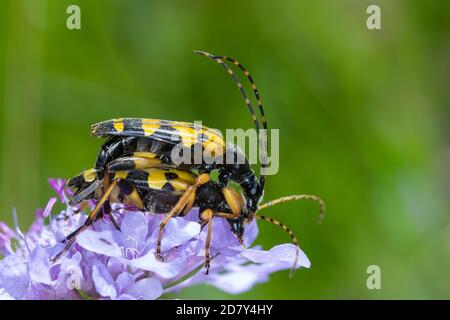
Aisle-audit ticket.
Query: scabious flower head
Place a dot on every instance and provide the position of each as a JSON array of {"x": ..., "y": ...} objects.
[{"x": 105, "y": 263}]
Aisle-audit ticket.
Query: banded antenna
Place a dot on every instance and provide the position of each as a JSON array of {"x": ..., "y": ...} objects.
[
  {"x": 263, "y": 148},
  {"x": 264, "y": 143},
  {"x": 285, "y": 227}
]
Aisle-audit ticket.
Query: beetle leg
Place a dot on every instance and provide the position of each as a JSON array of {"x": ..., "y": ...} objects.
[
  {"x": 93, "y": 215},
  {"x": 207, "y": 217},
  {"x": 184, "y": 201},
  {"x": 234, "y": 201},
  {"x": 189, "y": 204},
  {"x": 107, "y": 210}
]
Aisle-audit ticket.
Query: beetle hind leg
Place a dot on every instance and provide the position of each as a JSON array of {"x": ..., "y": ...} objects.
[
  {"x": 92, "y": 217},
  {"x": 185, "y": 201}
]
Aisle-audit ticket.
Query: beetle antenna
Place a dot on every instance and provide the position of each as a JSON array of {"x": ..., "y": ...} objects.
[
  {"x": 298, "y": 197},
  {"x": 285, "y": 227},
  {"x": 264, "y": 143},
  {"x": 290, "y": 233},
  {"x": 219, "y": 60}
]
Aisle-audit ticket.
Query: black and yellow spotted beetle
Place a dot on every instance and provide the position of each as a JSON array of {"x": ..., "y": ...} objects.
[{"x": 134, "y": 167}]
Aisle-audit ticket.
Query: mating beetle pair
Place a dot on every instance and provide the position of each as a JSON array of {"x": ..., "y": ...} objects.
[{"x": 135, "y": 167}]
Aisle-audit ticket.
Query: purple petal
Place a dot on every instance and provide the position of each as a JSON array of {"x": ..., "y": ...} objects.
[
  {"x": 48, "y": 207},
  {"x": 5, "y": 239},
  {"x": 251, "y": 232},
  {"x": 123, "y": 297},
  {"x": 14, "y": 278},
  {"x": 115, "y": 266},
  {"x": 223, "y": 240},
  {"x": 39, "y": 266},
  {"x": 149, "y": 262},
  {"x": 108, "y": 262},
  {"x": 285, "y": 253},
  {"x": 39, "y": 291},
  {"x": 59, "y": 186},
  {"x": 146, "y": 289},
  {"x": 177, "y": 232},
  {"x": 236, "y": 282},
  {"x": 124, "y": 281},
  {"x": 5, "y": 245},
  {"x": 101, "y": 242},
  {"x": 104, "y": 283},
  {"x": 5, "y": 295},
  {"x": 6, "y": 231},
  {"x": 134, "y": 230}
]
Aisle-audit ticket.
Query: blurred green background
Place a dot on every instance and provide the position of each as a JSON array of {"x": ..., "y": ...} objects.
[{"x": 362, "y": 117}]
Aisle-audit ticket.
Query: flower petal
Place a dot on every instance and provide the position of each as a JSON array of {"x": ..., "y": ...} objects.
[
  {"x": 5, "y": 245},
  {"x": 146, "y": 289},
  {"x": 14, "y": 278},
  {"x": 5, "y": 295},
  {"x": 223, "y": 240},
  {"x": 6, "y": 231},
  {"x": 48, "y": 207},
  {"x": 149, "y": 262},
  {"x": 124, "y": 281},
  {"x": 251, "y": 232},
  {"x": 115, "y": 266},
  {"x": 177, "y": 232},
  {"x": 39, "y": 266},
  {"x": 58, "y": 185},
  {"x": 284, "y": 253},
  {"x": 134, "y": 230},
  {"x": 104, "y": 283},
  {"x": 236, "y": 282},
  {"x": 101, "y": 242}
]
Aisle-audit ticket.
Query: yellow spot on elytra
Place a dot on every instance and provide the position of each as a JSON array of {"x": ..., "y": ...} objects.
[
  {"x": 149, "y": 128},
  {"x": 157, "y": 179},
  {"x": 185, "y": 176},
  {"x": 89, "y": 175},
  {"x": 118, "y": 125},
  {"x": 134, "y": 199},
  {"x": 120, "y": 174},
  {"x": 187, "y": 135}
]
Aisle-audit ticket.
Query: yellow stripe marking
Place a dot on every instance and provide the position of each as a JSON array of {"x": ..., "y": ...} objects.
[
  {"x": 89, "y": 175},
  {"x": 120, "y": 175},
  {"x": 147, "y": 155},
  {"x": 149, "y": 128},
  {"x": 118, "y": 125}
]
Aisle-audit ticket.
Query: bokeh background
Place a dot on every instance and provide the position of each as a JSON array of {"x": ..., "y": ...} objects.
[{"x": 363, "y": 119}]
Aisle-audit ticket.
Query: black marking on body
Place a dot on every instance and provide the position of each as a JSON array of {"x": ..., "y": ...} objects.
[
  {"x": 168, "y": 187},
  {"x": 138, "y": 178},
  {"x": 167, "y": 133},
  {"x": 133, "y": 125},
  {"x": 121, "y": 165},
  {"x": 170, "y": 176}
]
